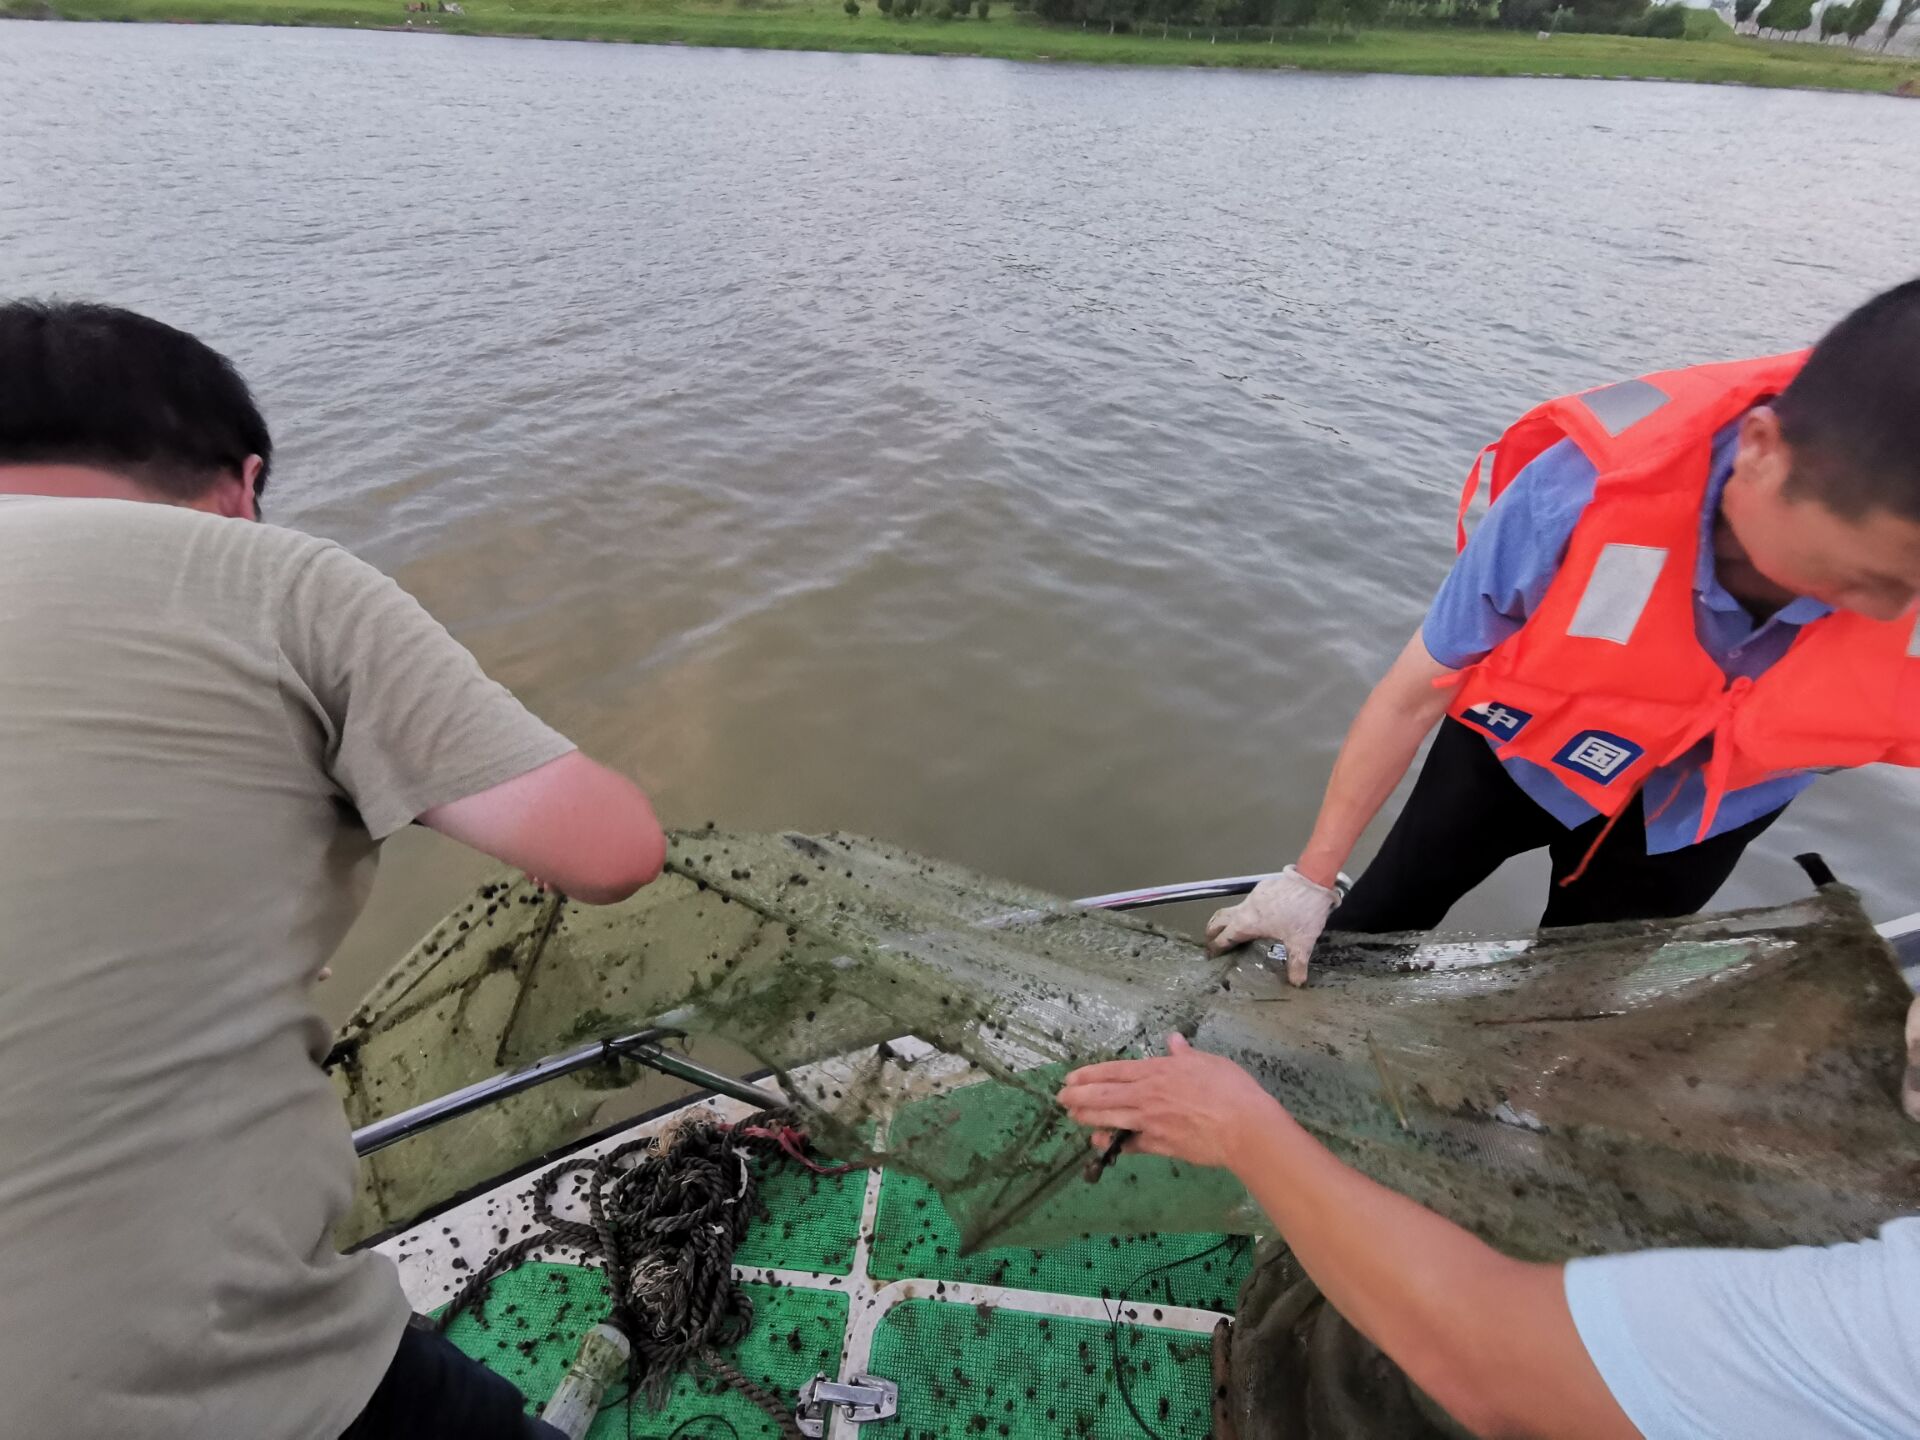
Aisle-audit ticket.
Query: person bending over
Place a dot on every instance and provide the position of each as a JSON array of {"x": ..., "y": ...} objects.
[
  {"x": 208, "y": 726},
  {"x": 1692, "y": 593}
]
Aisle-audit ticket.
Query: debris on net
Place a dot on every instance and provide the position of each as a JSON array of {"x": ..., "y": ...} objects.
[{"x": 1728, "y": 1079}]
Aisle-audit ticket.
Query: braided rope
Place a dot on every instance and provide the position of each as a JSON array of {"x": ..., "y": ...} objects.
[
  {"x": 781, "y": 1415},
  {"x": 663, "y": 1221}
]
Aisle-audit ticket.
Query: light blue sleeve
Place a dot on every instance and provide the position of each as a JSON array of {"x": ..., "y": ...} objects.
[
  {"x": 1510, "y": 559},
  {"x": 1737, "y": 1344}
]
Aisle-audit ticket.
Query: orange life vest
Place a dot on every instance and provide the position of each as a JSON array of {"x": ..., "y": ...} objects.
[{"x": 1607, "y": 680}]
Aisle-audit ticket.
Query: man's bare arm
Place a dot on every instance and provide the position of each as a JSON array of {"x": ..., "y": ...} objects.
[
  {"x": 1490, "y": 1338},
  {"x": 582, "y": 828},
  {"x": 1385, "y": 736}
]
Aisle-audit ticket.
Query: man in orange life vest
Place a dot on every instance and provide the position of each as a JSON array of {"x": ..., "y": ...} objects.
[{"x": 1691, "y": 593}]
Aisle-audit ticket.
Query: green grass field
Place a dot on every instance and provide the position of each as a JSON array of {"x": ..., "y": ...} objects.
[{"x": 1714, "y": 55}]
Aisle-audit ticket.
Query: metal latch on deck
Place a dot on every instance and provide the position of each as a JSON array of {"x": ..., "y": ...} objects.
[{"x": 864, "y": 1398}]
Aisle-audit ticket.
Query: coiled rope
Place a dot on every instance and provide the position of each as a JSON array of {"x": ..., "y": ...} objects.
[{"x": 663, "y": 1220}]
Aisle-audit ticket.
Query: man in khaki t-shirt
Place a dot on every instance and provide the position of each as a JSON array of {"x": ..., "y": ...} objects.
[{"x": 207, "y": 725}]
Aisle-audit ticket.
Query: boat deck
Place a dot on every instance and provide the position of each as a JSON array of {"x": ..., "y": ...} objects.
[{"x": 861, "y": 1274}]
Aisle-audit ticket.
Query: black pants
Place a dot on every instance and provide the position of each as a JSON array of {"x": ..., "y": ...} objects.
[
  {"x": 1466, "y": 816},
  {"x": 432, "y": 1391}
]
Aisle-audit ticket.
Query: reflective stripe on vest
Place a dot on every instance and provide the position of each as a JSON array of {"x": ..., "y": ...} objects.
[
  {"x": 1618, "y": 407},
  {"x": 1617, "y": 592},
  {"x": 1601, "y": 718}
]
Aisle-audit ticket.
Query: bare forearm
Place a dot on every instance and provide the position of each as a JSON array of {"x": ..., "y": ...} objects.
[
  {"x": 579, "y": 826},
  {"x": 1488, "y": 1337},
  {"x": 1380, "y": 745}
]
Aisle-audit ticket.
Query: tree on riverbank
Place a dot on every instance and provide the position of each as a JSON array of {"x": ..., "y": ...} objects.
[
  {"x": 1665, "y": 22},
  {"x": 1786, "y": 17},
  {"x": 1599, "y": 17},
  {"x": 1862, "y": 16},
  {"x": 1268, "y": 19},
  {"x": 1902, "y": 13}
]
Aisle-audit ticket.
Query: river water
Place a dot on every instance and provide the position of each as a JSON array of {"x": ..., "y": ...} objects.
[{"x": 1033, "y": 465}]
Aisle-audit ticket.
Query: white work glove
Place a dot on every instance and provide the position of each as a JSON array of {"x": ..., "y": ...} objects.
[{"x": 1287, "y": 907}]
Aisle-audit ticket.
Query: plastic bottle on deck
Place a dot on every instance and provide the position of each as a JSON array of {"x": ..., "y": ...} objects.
[{"x": 602, "y": 1359}]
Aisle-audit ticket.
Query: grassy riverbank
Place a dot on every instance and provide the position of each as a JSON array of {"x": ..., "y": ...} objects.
[{"x": 1715, "y": 56}]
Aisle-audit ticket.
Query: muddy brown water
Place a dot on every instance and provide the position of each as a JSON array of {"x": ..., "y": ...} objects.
[{"x": 1030, "y": 464}]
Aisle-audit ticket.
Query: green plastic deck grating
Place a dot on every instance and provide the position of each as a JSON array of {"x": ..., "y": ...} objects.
[
  {"x": 537, "y": 1312},
  {"x": 809, "y": 1222},
  {"x": 913, "y": 1236},
  {"x": 1012, "y": 1375}
]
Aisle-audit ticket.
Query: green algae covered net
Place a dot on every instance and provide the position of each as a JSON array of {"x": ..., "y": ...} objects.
[{"x": 1728, "y": 1079}]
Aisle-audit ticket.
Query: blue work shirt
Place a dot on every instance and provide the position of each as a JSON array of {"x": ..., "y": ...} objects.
[
  {"x": 1738, "y": 1344},
  {"x": 1501, "y": 578}
]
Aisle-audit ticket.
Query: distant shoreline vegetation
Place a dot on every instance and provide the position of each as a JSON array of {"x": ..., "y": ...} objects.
[{"x": 1619, "y": 39}]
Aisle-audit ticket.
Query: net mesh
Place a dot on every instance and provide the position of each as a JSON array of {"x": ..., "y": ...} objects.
[
  {"x": 1727, "y": 1079},
  {"x": 914, "y": 1236}
]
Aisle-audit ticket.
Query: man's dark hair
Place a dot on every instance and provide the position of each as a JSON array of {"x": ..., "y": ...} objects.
[
  {"x": 103, "y": 387},
  {"x": 1853, "y": 414}
]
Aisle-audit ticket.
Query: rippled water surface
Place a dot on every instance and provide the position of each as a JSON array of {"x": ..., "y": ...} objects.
[{"x": 1030, "y": 464}]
